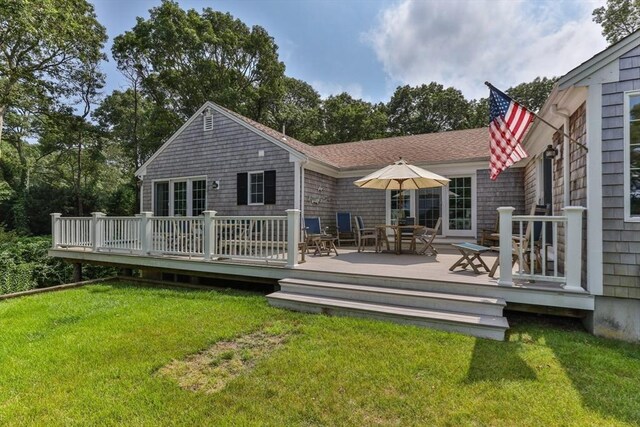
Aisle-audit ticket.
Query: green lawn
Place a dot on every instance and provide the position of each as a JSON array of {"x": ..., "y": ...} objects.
[{"x": 92, "y": 355}]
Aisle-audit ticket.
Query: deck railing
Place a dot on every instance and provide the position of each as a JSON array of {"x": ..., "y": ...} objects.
[
  {"x": 259, "y": 238},
  {"x": 536, "y": 243}
]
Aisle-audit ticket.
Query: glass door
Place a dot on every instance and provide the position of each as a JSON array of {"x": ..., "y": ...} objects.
[
  {"x": 461, "y": 219},
  {"x": 161, "y": 199},
  {"x": 400, "y": 205},
  {"x": 429, "y": 207}
]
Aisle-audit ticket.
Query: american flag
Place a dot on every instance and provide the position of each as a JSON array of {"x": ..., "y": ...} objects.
[{"x": 509, "y": 122}]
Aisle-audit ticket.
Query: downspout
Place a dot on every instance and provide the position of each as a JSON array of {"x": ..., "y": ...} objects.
[{"x": 566, "y": 187}]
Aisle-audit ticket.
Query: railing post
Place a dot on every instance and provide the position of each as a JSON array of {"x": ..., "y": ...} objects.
[
  {"x": 97, "y": 227},
  {"x": 293, "y": 227},
  {"x": 55, "y": 230},
  {"x": 208, "y": 234},
  {"x": 506, "y": 246},
  {"x": 145, "y": 232},
  {"x": 573, "y": 248}
]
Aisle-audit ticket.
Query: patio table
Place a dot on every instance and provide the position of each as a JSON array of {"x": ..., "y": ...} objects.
[
  {"x": 397, "y": 232},
  {"x": 470, "y": 253},
  {"x": 323, "y": 243}
]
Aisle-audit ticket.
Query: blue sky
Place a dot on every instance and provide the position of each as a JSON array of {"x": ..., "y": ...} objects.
[{"x": 368, "y": 47}]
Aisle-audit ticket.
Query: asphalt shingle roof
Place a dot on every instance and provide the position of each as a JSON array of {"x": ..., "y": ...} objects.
[{"x": 442, "y": 147}]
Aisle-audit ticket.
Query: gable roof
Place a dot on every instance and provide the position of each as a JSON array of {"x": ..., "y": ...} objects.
[{"x": 443, "y": 147}]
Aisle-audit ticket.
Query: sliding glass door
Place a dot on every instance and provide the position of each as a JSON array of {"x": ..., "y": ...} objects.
[{"x": 461, "y": 206}]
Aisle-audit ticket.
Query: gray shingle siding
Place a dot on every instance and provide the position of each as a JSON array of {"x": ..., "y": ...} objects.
[
  {"x": 620, "y": 239},
  {"x": 219, "y": 155},
  {"x": 507, "y": 190},
  {"x": 368, "y": 203},
  {"x": 320, "y": 194}
]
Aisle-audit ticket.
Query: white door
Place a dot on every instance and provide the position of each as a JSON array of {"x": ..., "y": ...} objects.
[{"x": 460, "y": 207}]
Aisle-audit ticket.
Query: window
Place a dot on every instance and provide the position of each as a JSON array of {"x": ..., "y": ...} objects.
[
  {"x": 181, "y": 197},
  {"x": 400, "y": 205},
  {"x": 429, "y": 206},
  {"x": 256, "y": 188},
  {"x": 632, "y": 156},
  {"x": 460, "y": 203},
  {"x": 198, "y": 197}
]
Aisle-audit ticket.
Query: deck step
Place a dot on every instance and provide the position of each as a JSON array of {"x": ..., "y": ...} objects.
[
  {"x": 394, "y": 296},
  {"x": 484, "y": 326}
]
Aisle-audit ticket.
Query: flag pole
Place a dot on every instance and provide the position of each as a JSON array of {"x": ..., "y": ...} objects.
[{"x": 541, "y": 119}]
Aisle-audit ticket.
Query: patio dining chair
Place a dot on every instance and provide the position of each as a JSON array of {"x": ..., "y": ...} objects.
[
  {"x": 426, "y": 236},
  {"x": 408, "y": 233},
  {"x": 365, "y": 235},
  {"x": 344, "y": 229}
]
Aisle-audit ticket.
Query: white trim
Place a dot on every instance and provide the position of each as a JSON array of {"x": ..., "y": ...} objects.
[
  {"x": 143, "y": 169},
  {"x": 171, "y": 181},
  {"x": 474, "y": 209},
  {"x": 249, "y": 188},
  {"x": 627, "y": 157},
  {"x": 594, "y": 191}
]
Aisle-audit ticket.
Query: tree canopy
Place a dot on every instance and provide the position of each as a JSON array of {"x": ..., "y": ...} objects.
[{"x": 618, "y": 18}]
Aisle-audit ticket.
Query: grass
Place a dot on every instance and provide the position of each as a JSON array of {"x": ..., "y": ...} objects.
[{"x": 93, "y": 355}]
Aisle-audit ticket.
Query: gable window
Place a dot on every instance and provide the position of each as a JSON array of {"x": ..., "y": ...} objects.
[
  {"x": 632, "y": 156},
  {"x": 256, "y": 188},
  {"x": 180, "y": 197},
  {"x": 208, "y": 120}
]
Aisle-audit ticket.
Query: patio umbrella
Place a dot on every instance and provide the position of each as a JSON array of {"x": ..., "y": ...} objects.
[{"x": 401, "y": 176}]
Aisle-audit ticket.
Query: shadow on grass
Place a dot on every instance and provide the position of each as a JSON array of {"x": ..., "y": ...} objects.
[
  {"x": 604, "y": 372},
  {"x": 492, "y": 361}
]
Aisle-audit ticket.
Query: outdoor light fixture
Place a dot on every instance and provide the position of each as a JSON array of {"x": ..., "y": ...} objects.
[
  {"x": 550, "y": 152},
  {"x": 215, "y": 185}
]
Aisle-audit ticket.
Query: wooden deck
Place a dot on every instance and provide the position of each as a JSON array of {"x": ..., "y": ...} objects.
[{"x": 407, "y": 271}]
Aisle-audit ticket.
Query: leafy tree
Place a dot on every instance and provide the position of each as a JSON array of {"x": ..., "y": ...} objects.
[
  {"x": 42, "y": 44},
  {"x": 298, "y": 111},
  {"x": 618, "y": 18},
  {"x": 185, "y": 58},
  {"x": 347, "y": 119},
  {"x": 533, "y": 94},
  {"x": 478, "y": 115},
  {"x": 426, "y": 108}
]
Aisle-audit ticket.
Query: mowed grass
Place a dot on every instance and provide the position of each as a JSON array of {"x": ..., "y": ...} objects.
[{"x": 92, "y": 355}]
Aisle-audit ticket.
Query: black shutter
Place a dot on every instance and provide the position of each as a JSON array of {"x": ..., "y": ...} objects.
[
  {"x": 270, "y": 187},
  {"x": 242, "y": 188}
]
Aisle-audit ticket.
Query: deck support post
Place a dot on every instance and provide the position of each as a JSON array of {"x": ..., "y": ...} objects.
[
  {"x": 55, "y": 229},
  {"x": 293, "y": 235},
  {"x": 209, "y": 235},
  {"x": 96, "y": 230},
  {"x": 506, "y": 246},
  {"x": 77, "y": 272},
  {"x": 573, "y": 248},
  {"x": 145, "y": 232}
]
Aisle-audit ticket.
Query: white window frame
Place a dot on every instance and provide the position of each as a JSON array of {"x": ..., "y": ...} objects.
[
  {"x": 249, "y": 174},
  {"x": 412, "y": 205},
  {"x": 474, "y": 208},
  {"x": 189, "y": 180},
  {"x": 627, "y": 156}
]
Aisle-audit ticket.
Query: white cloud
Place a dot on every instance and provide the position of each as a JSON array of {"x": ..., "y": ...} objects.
[
  {"x": 326, "y": 89},
  {"x": 464, "y": 43}
]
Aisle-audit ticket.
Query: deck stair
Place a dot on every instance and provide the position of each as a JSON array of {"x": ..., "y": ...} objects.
[{"x": 467, "y": 314}]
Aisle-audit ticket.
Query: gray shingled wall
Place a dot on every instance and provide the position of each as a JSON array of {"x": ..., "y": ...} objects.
[
  {"x": 320, "y": 194},
  {"x": 507, "y": 190},
  {"x": 365, "y": 202},
  {"x": 220, "y": 154},
  {"x": 621, "y": 240}
]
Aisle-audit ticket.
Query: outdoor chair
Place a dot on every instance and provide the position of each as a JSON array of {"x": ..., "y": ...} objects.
[
  {"x": 426, "y": 236},
  {"x": 408, "y": 232},
  {"x": 365, "y": 235},
  {"x": 344, "y": 229},
  {"x": 317, "y": 238},
  {"x": 490, "y": 237}
]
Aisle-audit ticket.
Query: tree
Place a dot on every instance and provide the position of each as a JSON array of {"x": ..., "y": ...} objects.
[
  {"x": 297, "y": 113},
  {"x": 618, "y": 18},
  {"x": 534, "y": 94},
  {"x": 346, "y": 119},
  {"x": 426, "y": 108},
  {"x": 186, "y": 58},
  {"x": 42, "y": 44}
]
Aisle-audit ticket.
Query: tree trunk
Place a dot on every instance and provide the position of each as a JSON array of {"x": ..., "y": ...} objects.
[
  {"x": 3, "y": 110},
  {"x": 79, "y": 177}
]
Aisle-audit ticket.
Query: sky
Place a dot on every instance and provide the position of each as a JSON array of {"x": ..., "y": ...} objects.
[{"x": 369, "y": 47}]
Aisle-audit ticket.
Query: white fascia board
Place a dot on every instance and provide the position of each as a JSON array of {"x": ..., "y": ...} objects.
[
  {"x": 589, "y": 68},
  {"x": 444, "y": 169},
  {"x": 323, "y": 168},
  {"x": 143, "y": 169}
]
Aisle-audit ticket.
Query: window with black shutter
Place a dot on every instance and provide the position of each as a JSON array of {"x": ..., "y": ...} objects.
[
  {"x": 242, "y": 188},
  {"x": 270, "y": 187}
]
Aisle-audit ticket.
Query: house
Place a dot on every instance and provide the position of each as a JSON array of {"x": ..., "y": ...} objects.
[
  {"x": 225, "y": 162},
  {"x": 584, "y": 168}
]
